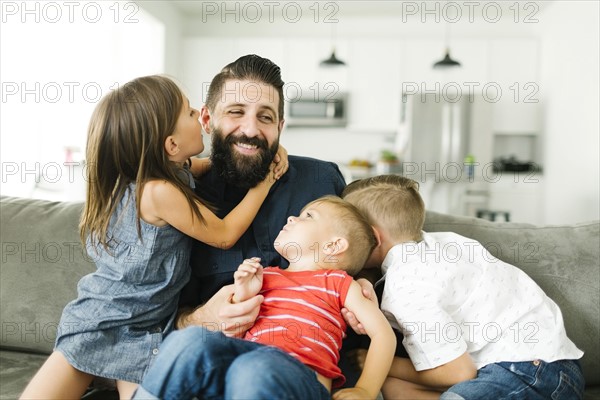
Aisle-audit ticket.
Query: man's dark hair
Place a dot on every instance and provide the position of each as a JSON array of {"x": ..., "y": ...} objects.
[{"x": 252, "y": 68}]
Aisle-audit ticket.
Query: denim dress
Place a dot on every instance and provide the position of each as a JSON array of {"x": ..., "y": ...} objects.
[{"x": 123, "y": 310}]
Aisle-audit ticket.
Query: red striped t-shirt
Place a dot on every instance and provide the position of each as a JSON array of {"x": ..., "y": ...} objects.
[{"x": 301, "y": 314}]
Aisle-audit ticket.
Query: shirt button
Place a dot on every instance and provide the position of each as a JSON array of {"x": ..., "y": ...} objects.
[{"x": 155, "y": 351}]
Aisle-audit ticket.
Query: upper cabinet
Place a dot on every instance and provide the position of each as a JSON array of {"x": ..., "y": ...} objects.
[
  {"x": 514, "y": 73},
  {"x": 374, "y": 84}
]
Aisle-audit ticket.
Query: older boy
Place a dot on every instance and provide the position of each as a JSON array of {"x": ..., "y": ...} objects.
[{"x": 474, "y": 327}]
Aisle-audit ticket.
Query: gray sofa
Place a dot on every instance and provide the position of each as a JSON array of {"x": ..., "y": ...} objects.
[{"x": 42, "y": 259}]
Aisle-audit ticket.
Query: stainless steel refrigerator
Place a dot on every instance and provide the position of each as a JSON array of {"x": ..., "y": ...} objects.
[{"x": 433, "y": 143}]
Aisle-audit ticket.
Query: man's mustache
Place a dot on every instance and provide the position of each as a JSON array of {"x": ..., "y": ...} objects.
[{"x": 243, "y": 139}]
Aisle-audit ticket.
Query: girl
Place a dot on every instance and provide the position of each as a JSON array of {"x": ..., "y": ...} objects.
[{"x": 139, "y": 209}]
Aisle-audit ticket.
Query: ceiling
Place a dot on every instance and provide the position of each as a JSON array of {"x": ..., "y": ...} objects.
[{"x": 356, "y": 8}]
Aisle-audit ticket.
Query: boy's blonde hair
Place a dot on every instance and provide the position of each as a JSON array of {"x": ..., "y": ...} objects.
[
  {"x": 351, "y": 224},
  {"x": 392, "y": 202}
]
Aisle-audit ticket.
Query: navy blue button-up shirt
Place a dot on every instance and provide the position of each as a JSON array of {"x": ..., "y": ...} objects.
[{"x": 306, "y": 179}]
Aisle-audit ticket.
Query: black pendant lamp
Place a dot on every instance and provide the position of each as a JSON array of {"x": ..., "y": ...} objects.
[
  {"x": 332, "y": 61},
  {"x": 446, "y": 62}
]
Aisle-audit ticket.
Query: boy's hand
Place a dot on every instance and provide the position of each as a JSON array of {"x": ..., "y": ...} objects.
[
  {"x": 351, "y": 393},
  {"x": 369, "y": 293},
  {"x": 247, "y": 280}
]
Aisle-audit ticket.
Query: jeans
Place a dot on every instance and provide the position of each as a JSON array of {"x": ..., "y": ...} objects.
[
  {"x": 558, "y": 380},
  {"x": 195, "y": 362}
]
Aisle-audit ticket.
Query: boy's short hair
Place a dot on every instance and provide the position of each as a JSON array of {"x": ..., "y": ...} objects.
[
  {"x": 392, "y": 202},
  {"x": 354, "y": 227}
]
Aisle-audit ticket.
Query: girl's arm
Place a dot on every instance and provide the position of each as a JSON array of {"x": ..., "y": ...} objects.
[
  {"x": 163, "y": 203},
  {"x": 381, "y": 350}
]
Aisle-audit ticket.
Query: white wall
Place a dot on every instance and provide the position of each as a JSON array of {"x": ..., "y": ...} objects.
[
  {"x": 570, "y": 87},
  {"x": 172, "y": 21}
]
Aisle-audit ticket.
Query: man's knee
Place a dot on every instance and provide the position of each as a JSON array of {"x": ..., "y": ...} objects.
[
  {"x": 191, "y": 339},
  {"x": 245, "y": 367},
  {"x": 267, "y": 372},
  {"x": 261, "y": 367}
]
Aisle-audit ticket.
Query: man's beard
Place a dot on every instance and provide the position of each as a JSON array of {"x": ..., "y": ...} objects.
[{"x": 237, "y": 169}]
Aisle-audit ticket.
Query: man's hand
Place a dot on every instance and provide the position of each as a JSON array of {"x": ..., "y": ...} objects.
[
  {"x": 349, "y": 317},
  {"x": 220, "y": 314}
]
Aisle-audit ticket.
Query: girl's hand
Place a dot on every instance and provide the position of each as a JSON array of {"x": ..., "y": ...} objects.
[
  {"x": 278, "y": 167},
  {"x": 281, "y": 162}
]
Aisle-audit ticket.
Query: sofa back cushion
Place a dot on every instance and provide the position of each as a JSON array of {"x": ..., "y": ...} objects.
[
  {"x": 42, "y": 260},
  {"x": 562, "y": 260}
]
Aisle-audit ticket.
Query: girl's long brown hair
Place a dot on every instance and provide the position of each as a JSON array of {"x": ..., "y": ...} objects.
[{"x": 125, "y": 145}]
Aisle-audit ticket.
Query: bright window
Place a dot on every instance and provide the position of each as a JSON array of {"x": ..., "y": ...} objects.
[{"x": 57, "y": 59}]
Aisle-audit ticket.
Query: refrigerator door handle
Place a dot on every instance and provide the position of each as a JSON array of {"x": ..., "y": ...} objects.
[
  {"x": 445, "y": 151},
  {"x": 455, "y": 155}
]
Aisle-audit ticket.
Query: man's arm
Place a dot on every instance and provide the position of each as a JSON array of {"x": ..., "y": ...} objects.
[
  {"x": 218, "y": 313},
  {"x": 381, "y": 350}
]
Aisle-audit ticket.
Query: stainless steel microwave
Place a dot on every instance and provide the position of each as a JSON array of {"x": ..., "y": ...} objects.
[{"x": 329, "y": 111}]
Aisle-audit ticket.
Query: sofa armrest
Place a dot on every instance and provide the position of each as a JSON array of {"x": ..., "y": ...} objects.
[{"x": 42, "y": 261}]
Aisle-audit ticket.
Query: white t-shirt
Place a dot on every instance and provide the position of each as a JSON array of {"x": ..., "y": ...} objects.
[{"x": 447, "y": 294}]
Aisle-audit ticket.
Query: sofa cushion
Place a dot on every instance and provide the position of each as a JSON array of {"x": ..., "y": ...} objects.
[
  {"x": 17, "y": 369},
  {"x": 41, "y": 262},
  {"x": 562, "y": 260}
]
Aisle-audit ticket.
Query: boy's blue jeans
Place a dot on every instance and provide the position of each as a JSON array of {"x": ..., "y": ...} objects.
[
  {"x": 195, "y": 362},
  {"x": 558, "y": 380}
]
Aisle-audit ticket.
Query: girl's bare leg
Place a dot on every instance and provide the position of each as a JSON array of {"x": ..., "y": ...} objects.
[
  {"x": 126, "y": 389},
  {"x": 57, "y": 379}
]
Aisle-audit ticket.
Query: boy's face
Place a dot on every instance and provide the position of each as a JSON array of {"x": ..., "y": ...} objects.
[
  {"x": 307, "y": 234},
  {"x": 376, "y": 258}
]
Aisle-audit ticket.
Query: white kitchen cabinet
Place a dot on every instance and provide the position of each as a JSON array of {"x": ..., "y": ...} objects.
[
  {"x": 374, "y": 84},
  {"x": 520, "y": 194},
  {"x": 514, "y": 86}
]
